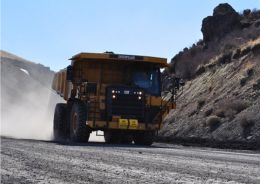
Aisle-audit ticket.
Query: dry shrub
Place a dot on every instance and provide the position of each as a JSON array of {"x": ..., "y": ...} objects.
[
  {"x": 225, "y": 58},
  {"x": 200, "y": 70},
  {"x": 243, "y": 81},
  {"x": 235, "y": 105},
  {"x": 227, "y": 47},
  {"x": 239, "y": 105},
  {"x": 212, "y": 63},
  {"x": 213, "y": 122},
  {"x": 230, "y": 114},
  {"x": 246, "y": 123},
  {"x": 245, "y": 51},
  {"x": 256, "y": 47},
  {"x": 208, "y": 112},
  {"x": 246, "y": 12},
  {"x": 250, "y": 72},
  {"x": 236, "y": 53},
  {"x": 193, "y": 51},
  {"x": 255, "y": 14},
  {"x": 256, "y": 85},
  {"x": 200, "y": 103},
  {"x": 230, "y": 108},
  {"x": 210, "y": 88},
  {"x": 220, "y": 113}
]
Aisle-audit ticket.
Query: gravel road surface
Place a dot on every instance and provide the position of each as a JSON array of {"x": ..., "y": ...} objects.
[{"x": 31, "y": 161}]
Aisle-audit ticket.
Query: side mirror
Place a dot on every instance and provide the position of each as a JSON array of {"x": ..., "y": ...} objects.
[{"x": 69, "y": 73}]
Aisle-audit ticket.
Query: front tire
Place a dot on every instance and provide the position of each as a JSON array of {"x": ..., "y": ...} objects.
[
  {"x": 111, "y": 137},
  {"x": 79, "y": 131},
  {"x": 144, "y": 138},
  {"x": 59, "y": 122},
  {"x": 117, "y": 137}
]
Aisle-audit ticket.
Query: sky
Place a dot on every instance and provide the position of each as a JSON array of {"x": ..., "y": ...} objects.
[{"x": 51, "y": 31}]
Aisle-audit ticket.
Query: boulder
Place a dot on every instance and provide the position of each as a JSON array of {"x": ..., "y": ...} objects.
[
  {"x": 224, "y": 20},
  {"x": 246, "y": 12}
]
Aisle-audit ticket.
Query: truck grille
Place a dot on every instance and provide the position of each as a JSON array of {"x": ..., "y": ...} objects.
[{"x": 125, "y": 102}]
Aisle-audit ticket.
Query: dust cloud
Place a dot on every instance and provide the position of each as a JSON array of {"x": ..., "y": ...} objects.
[
  {"x": 29, "y": 118},
  {"x": 28, "y": 102}
]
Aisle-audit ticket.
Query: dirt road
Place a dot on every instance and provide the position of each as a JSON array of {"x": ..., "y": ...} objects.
[{"x": 31, "y": 161}]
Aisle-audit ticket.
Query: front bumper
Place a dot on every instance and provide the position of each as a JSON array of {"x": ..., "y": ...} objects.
[{"x": 104, "y": 125}]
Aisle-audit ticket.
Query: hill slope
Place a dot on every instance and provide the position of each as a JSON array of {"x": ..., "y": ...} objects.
[{"x": 220, "y": 102}]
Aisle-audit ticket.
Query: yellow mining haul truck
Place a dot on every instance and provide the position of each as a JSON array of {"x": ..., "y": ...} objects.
[{"x": 115, "y": 93}]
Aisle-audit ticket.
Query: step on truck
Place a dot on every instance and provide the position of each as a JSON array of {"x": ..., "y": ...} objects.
[{"x": 114, "y": 93}]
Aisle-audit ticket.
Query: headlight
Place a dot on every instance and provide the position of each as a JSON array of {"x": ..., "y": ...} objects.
[
  {"x": 113, "y": 91},
  {"x": 140, "y": 93},
  {"x": 139, "y": 97},
  {"x": 113, "y": 96}
]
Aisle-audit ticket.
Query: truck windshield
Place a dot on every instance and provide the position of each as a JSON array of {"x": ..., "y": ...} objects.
[{"x": 149, "y": 81}]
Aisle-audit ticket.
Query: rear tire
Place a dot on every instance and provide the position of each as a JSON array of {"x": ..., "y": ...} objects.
[
  {"x": 144, "y": 138},
  {"x": 59, "y": 122},
  {"x": 79, "y": 131}
]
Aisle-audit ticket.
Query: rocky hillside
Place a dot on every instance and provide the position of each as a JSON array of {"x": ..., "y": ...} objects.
[
  {"x": 225, "y": 30},
  {"x": 26, "y": 108},
  {"x": 220, "y": 102}
]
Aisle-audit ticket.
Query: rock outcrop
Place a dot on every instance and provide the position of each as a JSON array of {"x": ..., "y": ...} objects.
[
  {"x": 224, "y": 20},
  {"x": 225, "y": 30}
]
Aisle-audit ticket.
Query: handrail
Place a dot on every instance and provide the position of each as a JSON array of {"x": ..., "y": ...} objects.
[{"x": 164, "y": 107}]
